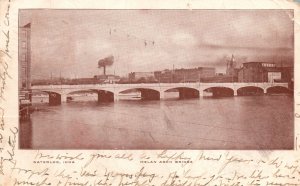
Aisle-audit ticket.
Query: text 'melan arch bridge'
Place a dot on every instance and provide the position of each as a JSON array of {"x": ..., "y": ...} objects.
[{"x": 156, "y": 91}]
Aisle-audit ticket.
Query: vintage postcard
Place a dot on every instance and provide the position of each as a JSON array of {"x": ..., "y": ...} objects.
[{"x": 149, "y": 93}]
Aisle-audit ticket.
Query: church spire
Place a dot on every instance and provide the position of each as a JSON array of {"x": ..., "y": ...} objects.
[
  {"x": 232, "y": 60},
  {"x": 230, "y": 65}
]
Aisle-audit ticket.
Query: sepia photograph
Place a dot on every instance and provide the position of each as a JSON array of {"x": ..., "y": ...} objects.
[{"x": 139, "y": 79}]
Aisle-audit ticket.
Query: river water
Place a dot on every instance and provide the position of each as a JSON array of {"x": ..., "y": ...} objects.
[{"x": 242, "y": 122}]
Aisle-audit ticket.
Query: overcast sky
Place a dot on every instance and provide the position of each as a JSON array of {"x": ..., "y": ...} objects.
[{"x": 71, "y": 42}]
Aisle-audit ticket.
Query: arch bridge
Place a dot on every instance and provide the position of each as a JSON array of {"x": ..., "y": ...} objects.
[{"x": 156, "y": 91}]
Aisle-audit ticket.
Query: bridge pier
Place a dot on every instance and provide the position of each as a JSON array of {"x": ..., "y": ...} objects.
[
  {"x": 235, "y": 92},
  {"x": 116, "y": 97},
  {"x": 201, "y": 93},
  {"x": 162, "y": 95},
  {"x": 63, "y": 98}
]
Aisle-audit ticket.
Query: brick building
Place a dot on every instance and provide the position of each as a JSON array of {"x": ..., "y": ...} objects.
[
  {"x": 141, "y": 77},
  {"x": 24, "y": 81},
  {"x": 24, "y": 57},
  {"x": 264, "y": 72},
  {"x": 184, "y": 75}
]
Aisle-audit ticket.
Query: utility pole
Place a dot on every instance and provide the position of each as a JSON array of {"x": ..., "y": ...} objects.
[
  {"x": 199, "y": 74},
  {"x": 51, "y": 79},
  {"x": 60, "y": 77},
  {"x": 173, "y": 74},
  {"x": 114, "y": 76}
]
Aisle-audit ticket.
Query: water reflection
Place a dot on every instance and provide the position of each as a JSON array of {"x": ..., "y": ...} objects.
[
  {"x": 25, "y": 135},
  {"x": 252, "y": 122}
]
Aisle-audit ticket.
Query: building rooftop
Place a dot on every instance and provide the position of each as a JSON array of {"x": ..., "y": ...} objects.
[
  {"x": 258, "y": 62},
  {"x": 263, "y": 64}
]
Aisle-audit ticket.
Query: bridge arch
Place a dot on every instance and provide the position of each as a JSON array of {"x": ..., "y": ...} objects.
[
  {"x": 278, "y": 90},
  {"x": 103, "y": 94},
  {"x": 54, "y": 97},
  {"x": 250, "y": 90},
  {"x": 81, "y": 91},
  {"x": 185, "y": 92},
  {"x": 46, "y": 91},
  {"x": 80, "y": 95},
  {"x": 219, "y": 91},
  {"x": 145, "y": 93}
]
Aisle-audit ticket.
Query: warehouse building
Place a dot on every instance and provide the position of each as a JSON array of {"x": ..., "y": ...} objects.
[{"x": 264, "y": 72}]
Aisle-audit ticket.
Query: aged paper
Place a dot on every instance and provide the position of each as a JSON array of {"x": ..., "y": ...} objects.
[{"x": 276, "y": 163}]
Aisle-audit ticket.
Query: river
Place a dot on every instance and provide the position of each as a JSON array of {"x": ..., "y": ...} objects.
[{"x": 242, "y": 122}]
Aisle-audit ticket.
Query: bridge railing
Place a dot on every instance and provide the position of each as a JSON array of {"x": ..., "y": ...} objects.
[{"x": 195, "y": 84}]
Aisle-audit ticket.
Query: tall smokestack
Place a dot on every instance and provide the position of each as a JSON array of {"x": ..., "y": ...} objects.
[{"x": 108, "y": 61}]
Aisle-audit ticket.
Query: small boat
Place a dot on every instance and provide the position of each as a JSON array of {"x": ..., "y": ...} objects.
[
  {"x": 69, "y": 99},
  {"x": 130, "y": 96}
]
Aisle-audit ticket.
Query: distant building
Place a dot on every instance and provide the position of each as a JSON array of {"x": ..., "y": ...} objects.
[
  {"x": 219, "y": 78},
  {"x": 184, "y": 75},
  {"x": 138, "y": 75},
  {"x": 24, "y": 83},
  {"x": 207, "y": 71},
  {"x": 25, "y": 57},
  {"x": 231, "y": 71},
  {"x": 107, "y": 78},
  {"x": 220, "y": 74},
  {"x": 264, "y": 72},
  {"x": 112, "y": 79},
  {"x": 287, "y": 74},
  {"x": 194, "y": 74},
  {"x": 165, "y": 76},
  {"x": 141, "y": 77}
]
